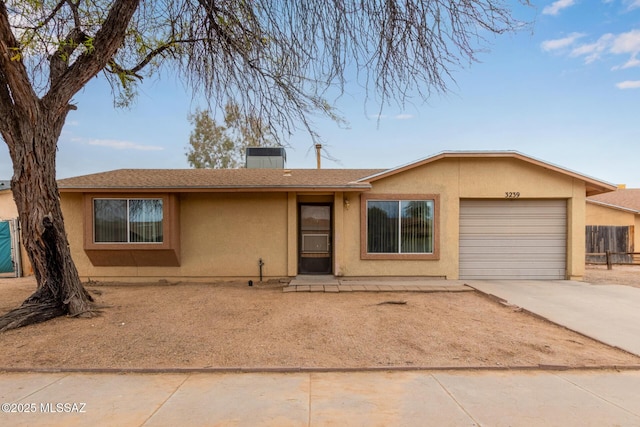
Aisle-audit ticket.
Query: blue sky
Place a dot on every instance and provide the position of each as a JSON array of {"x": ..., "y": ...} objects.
[{"x": 566, "y": 92}]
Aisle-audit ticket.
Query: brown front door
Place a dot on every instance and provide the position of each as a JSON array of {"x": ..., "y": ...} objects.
[{"x": 315, "y": 239}]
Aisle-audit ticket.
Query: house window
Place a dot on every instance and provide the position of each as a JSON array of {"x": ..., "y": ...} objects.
[
  {"x": 128, "y": 220},
  {"x": 399, "y": 227}
]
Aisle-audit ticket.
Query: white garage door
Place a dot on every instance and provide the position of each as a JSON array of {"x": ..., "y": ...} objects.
[{"x": 513, "y": 239}]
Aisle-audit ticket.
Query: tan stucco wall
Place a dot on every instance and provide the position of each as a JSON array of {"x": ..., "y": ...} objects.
[
  {"x": 454, "y": 179},
  {"x": 239, "y": 229},
  {"x": 602, "y": 215},
  {"x": 222, "y": 236},
  {"x": 7, "y": 205},
  {"x": 8, "y": 211}
]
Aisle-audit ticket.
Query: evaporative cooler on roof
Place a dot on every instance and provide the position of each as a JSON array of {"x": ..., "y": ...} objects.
[{"x": 265, "y": 158}]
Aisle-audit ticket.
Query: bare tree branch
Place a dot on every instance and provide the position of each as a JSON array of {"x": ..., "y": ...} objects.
[
  {"x": 59, "y": 61},
  {"x": 106, "y": 42},
  {"x": 51, "y": 15},
  {"x": 115, "y": 68},
  {"x": 18, "y": 93}
]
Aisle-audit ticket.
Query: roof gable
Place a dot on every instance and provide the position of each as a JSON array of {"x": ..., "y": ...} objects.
[{"x": 593, "y": 186}]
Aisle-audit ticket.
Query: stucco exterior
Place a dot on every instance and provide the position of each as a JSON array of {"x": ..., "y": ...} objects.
[
  {"x": 9, "y": 211},
  {"x": 455, "y": 179},
  {"x": 7, "y": 205},
  {"x": 224, "y": 231},
  {"x": 222, "y": 236},
  {"x": 609, "y": 215}
]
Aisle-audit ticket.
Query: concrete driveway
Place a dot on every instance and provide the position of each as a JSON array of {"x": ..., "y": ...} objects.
[{"x": 607, "y": 313}]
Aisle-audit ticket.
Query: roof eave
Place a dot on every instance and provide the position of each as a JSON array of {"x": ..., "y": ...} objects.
[
  {"x": 612, "y": 206},
  {"x": 218, "y": 188}
]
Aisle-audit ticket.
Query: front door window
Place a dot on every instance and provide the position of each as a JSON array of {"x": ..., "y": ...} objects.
[{"x": 315, "y": 239}]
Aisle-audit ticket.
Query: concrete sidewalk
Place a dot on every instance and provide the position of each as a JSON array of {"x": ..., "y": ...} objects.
[
  {"x": 607, "y": 313},
  {"x": 487, "y": 398}
]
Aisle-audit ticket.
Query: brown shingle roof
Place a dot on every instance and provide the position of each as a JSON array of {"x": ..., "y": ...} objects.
[
  {"x": 219, "y": 179},
  {"x": 182, "y": 180},
  {"x": 625, "y": 197}
]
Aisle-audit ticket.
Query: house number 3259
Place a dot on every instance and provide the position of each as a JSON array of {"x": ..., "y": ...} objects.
[{"x": 511, "y": 194}]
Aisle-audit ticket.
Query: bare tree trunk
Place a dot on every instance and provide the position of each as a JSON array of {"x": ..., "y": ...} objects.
[
  {"x": 31, "y": 126},
  {"x": 36, "y": 195}
]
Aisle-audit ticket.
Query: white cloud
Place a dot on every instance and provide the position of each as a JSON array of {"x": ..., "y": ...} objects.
[
  {"x": 562, "y": 43},
  {"x": 633, "y": 4},
  {"x": 593, "y": 51},
  {"x": 629, "y": 84},
  {"x": 631, "y": 63},
  {"x": 401, "y": 116},
  {"x": 123, "y": 145},
  {"x": 555, "y": 7},
  {"x": 404, "y": 116},
  {"x": 627, "y": 42},
  {"x": 621, "y": 44}
]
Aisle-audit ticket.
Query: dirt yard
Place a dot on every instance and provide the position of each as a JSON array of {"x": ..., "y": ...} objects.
[
  {"x": 619, "y": 275},
  {"x": 233, "y": 325}
]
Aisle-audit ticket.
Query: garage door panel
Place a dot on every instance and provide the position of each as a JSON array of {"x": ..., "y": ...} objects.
[
  {"x": 515, "y": 216},
  {"x": 490, "y": 251},
  {"x": 513, "y": 239},
  {"x": 520, "y": 274},
  {"x": 524, "y": 264},
  {"x": 499, "y": 240},
  {"x": 506, "y": 259},
  {"x": 532, "y": 270},
  {"x": 519, "y": 242},
  {"x": 508, "y": 231},
  {"x": 511, "y": 204},
  {"x": 530, "y": 226}
]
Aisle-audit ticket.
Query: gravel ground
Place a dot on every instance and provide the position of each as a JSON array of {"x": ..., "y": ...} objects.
[
  {"x": 190, "y": 325},
  {"x": 618, "y": 275}
]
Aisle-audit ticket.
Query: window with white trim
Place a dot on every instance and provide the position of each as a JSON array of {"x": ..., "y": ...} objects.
[
  {"x": 127, "y": 220},
  {"x": 400, "y": 226}
]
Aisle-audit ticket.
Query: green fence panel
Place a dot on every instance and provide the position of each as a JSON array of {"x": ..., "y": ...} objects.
[{"x": 6, "y": 265}]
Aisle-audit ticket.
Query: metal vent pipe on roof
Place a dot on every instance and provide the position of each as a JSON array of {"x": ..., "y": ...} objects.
[{"x": 318, "y": 150}]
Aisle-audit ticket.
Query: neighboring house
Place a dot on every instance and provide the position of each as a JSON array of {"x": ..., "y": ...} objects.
[
  {"x": 498, "y": 215},
  {"x": 613, "y": 223},
  {"x": 11, "y": 261}
]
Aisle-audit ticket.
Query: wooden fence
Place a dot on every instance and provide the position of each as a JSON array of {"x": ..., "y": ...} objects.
[
  {"x": 610, "y": 258},
  {"x": 617, "y": 241}
]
